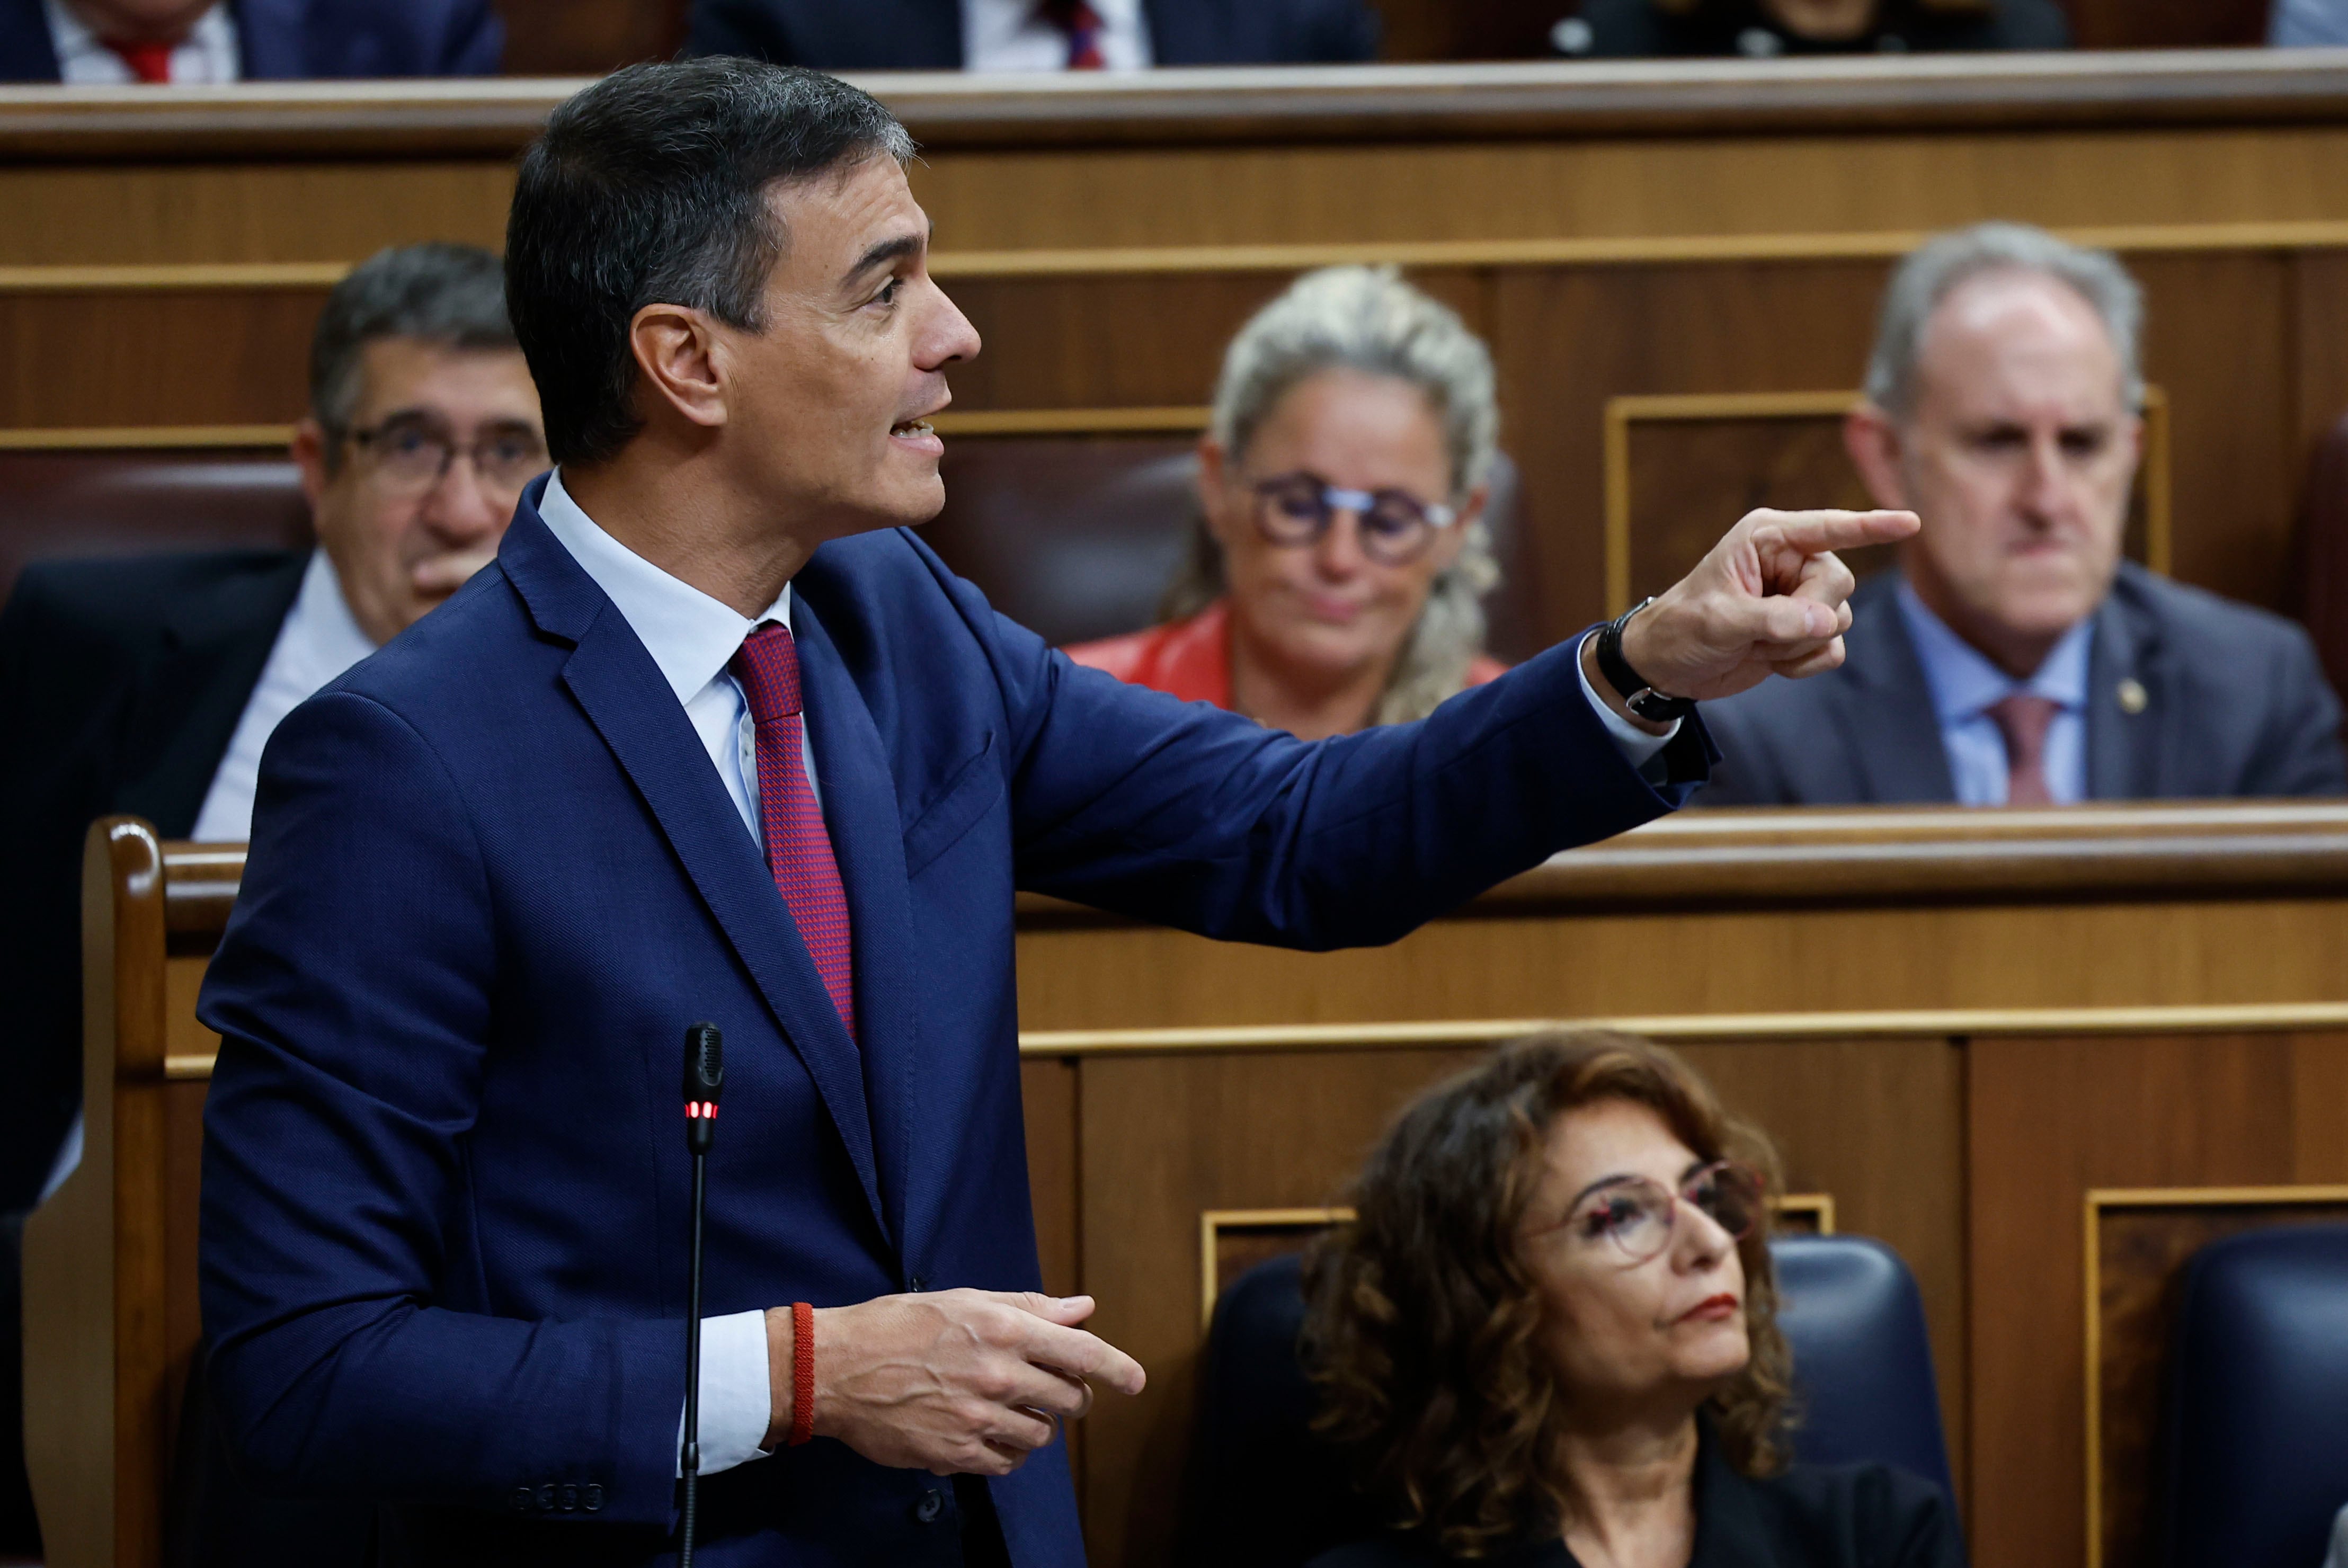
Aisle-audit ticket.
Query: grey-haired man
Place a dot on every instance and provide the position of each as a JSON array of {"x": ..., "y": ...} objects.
[{"x": 2015, "y": 658}]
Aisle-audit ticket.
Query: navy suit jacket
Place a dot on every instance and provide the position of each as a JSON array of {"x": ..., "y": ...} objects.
[
  {"x": 2236, "y": 705},
  {"x": 493, "y": 878},
  {"x": 926, "y": 35},
  {"x": 292, "y": 40}
]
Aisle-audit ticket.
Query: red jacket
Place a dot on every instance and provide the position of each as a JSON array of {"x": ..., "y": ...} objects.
[{"x": 1192, "y": 659}]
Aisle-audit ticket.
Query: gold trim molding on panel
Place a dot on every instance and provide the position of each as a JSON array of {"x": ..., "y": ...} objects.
[
  {"x": 1070, "y": 421},
  {"x": 1953, "y": 1023},
  {"x": 1126, "y": 260},
  {"x": 1623, "y": 412},
  {"x": 102, "y": 438},
  {"x": 1820, "y": 1206},
  {"x": 2099, "y": 1198}
]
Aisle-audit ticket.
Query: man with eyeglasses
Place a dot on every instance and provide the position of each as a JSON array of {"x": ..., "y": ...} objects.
[{"x": 151, "y": 686}]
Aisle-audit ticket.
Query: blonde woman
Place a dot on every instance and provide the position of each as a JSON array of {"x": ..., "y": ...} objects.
[{"x": 1338, "y": 566}]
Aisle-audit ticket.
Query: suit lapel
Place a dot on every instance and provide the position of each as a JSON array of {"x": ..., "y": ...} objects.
[
  {"x": 27, "y": 53},
  {"x": 860, "y": 809},
  {"x": 1893, "y": 729},
  {"x": 213, "y": 651},
  {"x": 2125, "y": 749},
  {"x": 632, "y": 708}
]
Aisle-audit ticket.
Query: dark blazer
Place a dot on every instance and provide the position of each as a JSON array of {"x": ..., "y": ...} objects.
[
  {"x": 493, "y": 878},
  {"x": 290, "y": 40},
  {"x": 1811, "y": 1516},
  {"x": 1637, "y": 30},
  {"x": 926, "y": 35},
  {"x": 2238, "y": 706},
  {"x": 120, "y": 683}
]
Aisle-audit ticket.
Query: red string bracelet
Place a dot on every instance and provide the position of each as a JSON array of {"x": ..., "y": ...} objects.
[{"x": 802, "y": 1373}]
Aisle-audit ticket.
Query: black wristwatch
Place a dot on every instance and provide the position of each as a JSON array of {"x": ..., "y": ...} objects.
[{"x": 1637, "y": 694}]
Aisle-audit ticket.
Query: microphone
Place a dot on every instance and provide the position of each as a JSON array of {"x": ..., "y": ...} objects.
[{"x": 705, "y": 1076}]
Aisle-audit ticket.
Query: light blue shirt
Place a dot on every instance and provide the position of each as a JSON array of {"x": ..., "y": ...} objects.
[
  {"x": 2304, "y": 23},
  {"x": 1964, "y": 686}
]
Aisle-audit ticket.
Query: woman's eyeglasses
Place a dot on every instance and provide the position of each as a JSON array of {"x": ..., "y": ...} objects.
[
  {"x": 412, "y": 454},
  {"x": 1637, "y": 1215},
  {"x": 1396, "y": 527}
]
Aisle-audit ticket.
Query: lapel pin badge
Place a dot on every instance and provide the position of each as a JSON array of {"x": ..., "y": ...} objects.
[{"x": 2133, "y": 697}]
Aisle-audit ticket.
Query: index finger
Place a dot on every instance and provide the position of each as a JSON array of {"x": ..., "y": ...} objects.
[
  {"x": 1082, "y": 1355},
  {"x": 1815, "y": 532}
]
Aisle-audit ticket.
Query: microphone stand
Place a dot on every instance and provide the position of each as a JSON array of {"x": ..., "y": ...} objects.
[{"x": 704, "y": 1076}]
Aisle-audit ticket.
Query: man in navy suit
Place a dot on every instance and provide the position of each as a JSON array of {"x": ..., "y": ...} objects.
[
  {"x": 2014, "y": 657},
  {"x": 718, "y": 738},
  {"x": 114, "y": 42},
  {"x": 1034, "y": 35}
]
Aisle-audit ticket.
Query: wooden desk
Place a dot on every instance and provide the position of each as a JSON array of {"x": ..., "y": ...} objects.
[
  {"x": 1676, "y": 264},
  {"x": 2014, "y": 1045}
]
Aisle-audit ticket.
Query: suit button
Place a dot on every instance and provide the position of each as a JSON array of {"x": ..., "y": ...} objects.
[
  {"x": 521, "y": 1499},
  {"x": 546, "y": 1496},
  {"x": 569, "y": 1499},
  {"x": 919, "y": 1285},
  {"x": 592, "y": 1498},
  {"x": 931, "y": 1505}
]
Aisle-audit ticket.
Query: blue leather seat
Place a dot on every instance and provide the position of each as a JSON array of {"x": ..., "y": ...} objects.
[
  {"x": 2257, "y": 1428},
  {"x": 1263, "y": 1492}
]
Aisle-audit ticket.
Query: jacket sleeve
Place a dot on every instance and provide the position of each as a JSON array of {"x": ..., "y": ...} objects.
[
  {"x": 1186, "y": 815},
  {"x": 2299, "y": 752},
  {"x": 355, "y": 993}
]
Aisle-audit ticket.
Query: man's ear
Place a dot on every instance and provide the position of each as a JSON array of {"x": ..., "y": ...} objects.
[
  {"x": 310, "y": 442},
  {"x": 676, "y": 354},
  {"x": 1873, "y": 438}
]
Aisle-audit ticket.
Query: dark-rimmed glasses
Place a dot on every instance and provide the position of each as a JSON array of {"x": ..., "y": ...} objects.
[
  {"x": 1637, "y": 1215},
  {"x": 1395, "y": 526},
  {"x": 413, "y": 453}
]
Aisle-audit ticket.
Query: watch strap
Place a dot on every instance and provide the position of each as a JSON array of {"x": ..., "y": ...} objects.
[{"x": 1637, "y": 692}]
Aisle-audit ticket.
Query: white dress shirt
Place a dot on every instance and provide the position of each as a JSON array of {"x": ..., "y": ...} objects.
[
  {"x": 319, "y": 640},
  {"x": 1010, "y": 35},
  {"x": 208, "y": 55},
  {"x": 2301, "y": 24},
  {"x": 1964, "y": 685},
  {"x": 692, "y": 637}
]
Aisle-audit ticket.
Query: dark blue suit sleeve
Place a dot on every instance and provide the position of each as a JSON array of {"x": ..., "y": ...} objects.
[
  {"x": 1186, "y": 815},
  {"x": 2301, "y": 753},
  {"x": 359, "y": 1067}
]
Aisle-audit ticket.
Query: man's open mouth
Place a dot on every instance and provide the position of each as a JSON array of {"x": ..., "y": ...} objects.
[{"x": 911, "y": 427}]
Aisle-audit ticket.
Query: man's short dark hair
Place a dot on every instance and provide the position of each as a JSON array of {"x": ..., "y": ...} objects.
[
  {"x": 650, "y": 188},
  {"x": 451, "y": 295}
]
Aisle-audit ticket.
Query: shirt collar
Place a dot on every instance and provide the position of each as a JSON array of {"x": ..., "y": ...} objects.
[
  {"x": 213, "y": 34},
  {"x": 330, "y": 634},
  {"x": 1964, "y": 683},
  {"x": 690, "y": 635}
]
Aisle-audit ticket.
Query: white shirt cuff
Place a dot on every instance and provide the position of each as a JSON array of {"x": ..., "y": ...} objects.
[
  {"x": 737, "y": 1400},
  {"x": 1638, "y": 746}
]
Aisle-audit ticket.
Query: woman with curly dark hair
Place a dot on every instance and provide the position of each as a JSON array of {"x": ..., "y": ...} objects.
[{"x": 1550, "y": 1337}]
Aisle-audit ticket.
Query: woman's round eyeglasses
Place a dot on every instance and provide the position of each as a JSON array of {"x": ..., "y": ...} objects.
[
  {"x": 1636, "y": 1216},
  {"x": 1395, "y": 526}
]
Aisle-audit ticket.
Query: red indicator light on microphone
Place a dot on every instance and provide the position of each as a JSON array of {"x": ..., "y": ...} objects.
[{"x": 706, "y": 1110}]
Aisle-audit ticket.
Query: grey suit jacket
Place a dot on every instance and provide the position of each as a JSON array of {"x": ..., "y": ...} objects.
[{"x": 2238, "y": 706}]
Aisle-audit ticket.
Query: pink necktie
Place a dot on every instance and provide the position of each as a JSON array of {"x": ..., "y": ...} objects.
[
  {"x": 799, "y": 849},
  {"x": 2024, "y": 720},
  {"x": 1082, "y": 24}
]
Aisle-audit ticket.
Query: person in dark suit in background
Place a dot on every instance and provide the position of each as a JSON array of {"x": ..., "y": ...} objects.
[
  {"x": 1034, "y": 35},
  {"x": 2014, "y": 657},
  {"x": 151, "y": 686},
  {"x": 112, "y": 43},
  {"x": 1765, "y": 29}
]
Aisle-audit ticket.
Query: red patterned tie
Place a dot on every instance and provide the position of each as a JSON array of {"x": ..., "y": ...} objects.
[
  {"x": 1082, "y": 24},
  {"x": 150, "y": 63},
  {"x": 2024, "y": 720},
  {"x": 799, "y": 849}
]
